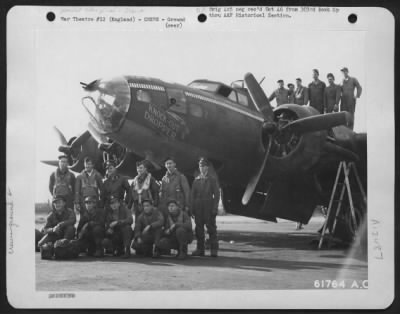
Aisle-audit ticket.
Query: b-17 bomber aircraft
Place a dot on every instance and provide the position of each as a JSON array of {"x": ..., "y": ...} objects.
[{"x": 271, "y": 163}]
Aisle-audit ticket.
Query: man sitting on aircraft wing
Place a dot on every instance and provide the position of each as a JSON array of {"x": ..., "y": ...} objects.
[{"x": 148, "y": 230}]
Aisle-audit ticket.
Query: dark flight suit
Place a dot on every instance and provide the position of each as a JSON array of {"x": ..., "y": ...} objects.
[
  {"x": 331, "y": 98},
  {"x": 143, "y": 187},
  {"x": 301, "y": 96},
  {"x": 348, "y": 99},
  {"x": 174, "y": 186},
  {"x": 87, "y": 185},
  {"x": 281, "y": 95},
  {"x": 180, "y": 236},
  {"x": 121, "y": 234},
  {"x": 204, "y": 203},
  {"x": 116, "y": 185},
  {"x": 316, "y": 95},
  {"x": 66, "y": 220},
  {"x": 63, "y": 183},
  {"x": 291, "y": 97},
  {"x": 156, "y": 220},
  {"x": 92, "y": 232}
]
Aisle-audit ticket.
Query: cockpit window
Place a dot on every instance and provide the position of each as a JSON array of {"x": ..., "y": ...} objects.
[
  {"x": 232, "y": 96},
  {"x": 107, "y": 101},
  {"x": 243, "y": 100},
  {"x": 176, "y": 100},
  {"x": 207, "y": 86}
]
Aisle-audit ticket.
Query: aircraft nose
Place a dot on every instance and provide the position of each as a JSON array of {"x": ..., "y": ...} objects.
[{"x": 107, "y": 102}]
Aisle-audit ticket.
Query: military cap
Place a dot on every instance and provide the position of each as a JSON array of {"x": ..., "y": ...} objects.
[
  {"x": 330, "y": 75},
  {"x": 290, "y": 84},
  {"x": 316, "y": 71},
  {"x": 111, "y": 163},
  {"x": 344, "y": 69},
  {"x": 90, "y": 199},
  {"x": 203, "y": 162},
  {"x": 170, "y": 158},
  {"x": 147, "y": 200},
  {"x": 172, "y": 200},
  {"x": 58, "y": 197},
  {"x": 298, "y": 79},
  {"x": 62, "y": 156},
  {"x": 114, "y": 198},
  {"x": 279, "y": 81}
]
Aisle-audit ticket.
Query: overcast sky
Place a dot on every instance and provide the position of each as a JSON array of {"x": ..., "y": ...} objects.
[{"x": 66, "y": 57}]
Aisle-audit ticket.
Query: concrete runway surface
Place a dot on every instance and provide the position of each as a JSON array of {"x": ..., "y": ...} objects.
[{"x": 253, "y": 254}]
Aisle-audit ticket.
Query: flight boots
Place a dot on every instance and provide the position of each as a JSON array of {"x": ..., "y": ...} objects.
[
  {"x": 183, "y": 252},
  {"x": 156, "y": 252},
  {"x": 214, "y": 249},
  {"x": 199, "y": 250},
  {"x": 127, "y": 252}
]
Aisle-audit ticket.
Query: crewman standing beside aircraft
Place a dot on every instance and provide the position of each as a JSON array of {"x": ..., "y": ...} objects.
[
  {"x": 349, "y": 84},
  {"x": 118, "y": 227},
  {"x": 88, "y": 183},
  {"x": 281, "y": 94},
  {"x": 148, "y": 230},
  {"x": 316, "y": 92},
  {"x": 205, "y": 196},
  {"x": 300, "y": 94},
  {"x": 114, "y": 184},
  {"x": 174, "y": 185},
  {"x": 331, "y": 95},
  {"x": 177, "y": 230},
  {"x": 144, "y": 186},
  {"x": 62, "y": 182}
]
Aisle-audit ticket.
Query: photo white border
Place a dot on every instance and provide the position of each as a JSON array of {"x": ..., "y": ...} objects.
[{"x": 23, "y": 22}]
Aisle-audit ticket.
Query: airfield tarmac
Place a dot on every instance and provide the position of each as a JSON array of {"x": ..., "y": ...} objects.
[{"x": 253, "y": 254}]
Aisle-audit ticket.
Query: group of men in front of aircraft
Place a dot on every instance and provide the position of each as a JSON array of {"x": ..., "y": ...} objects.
[
  {"x": 325, "y": 99},
  {"x": 106, "y": 208}
]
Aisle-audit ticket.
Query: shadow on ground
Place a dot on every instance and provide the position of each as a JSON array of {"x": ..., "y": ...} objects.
[{"x": 257, "y": 264}]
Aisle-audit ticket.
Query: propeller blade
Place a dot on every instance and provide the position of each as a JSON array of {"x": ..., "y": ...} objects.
[
  {"x": 319, "y": 122},
  {"x": 258, "y": 96},
  {"x": 100, "y": 138},
  {"x": 251, "y": 186},
  {"x": 61, "y": 136},
  {"x": 50, "y": 162},
  {"x": 80, "y": 139}
]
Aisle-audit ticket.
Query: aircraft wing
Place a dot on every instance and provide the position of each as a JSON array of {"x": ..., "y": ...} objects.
[{"x": 294, "y": 198}]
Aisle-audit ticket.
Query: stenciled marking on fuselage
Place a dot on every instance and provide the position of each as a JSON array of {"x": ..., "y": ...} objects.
[
  {"x": 162, "y": 121},
  {"x": 217, "y": 102},
  {"x": 147, "y": 86}
]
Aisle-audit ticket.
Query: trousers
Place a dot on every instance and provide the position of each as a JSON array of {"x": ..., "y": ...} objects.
[
  {"x": 180, "y": 237},
  {"x": 210, "y": 223}
]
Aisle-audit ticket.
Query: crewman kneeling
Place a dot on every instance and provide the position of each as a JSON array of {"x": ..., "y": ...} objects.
[
  {"x": 148, "y": 230},
  {"x": 59, "y": 225},
  {"x": 178, "y": 230},
  {"x": 92, "y": 232},
  {"x": 118, "y": 228}
]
